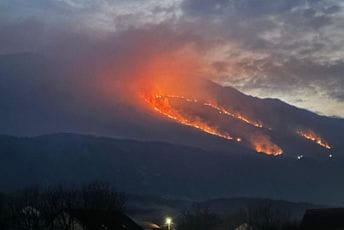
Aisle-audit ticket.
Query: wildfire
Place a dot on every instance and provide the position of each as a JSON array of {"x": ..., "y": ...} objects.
[
  {"x": 269, "y": 149},
  {"x": 310, "y": 135},
  {"x": 220, "y": 110},
  {"x": 161, "y": 105},
  {"x": 263, "y": 144},
  {"x": 234, "y": 115}
]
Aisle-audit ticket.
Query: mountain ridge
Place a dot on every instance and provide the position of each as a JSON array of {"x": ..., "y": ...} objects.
[{"x": 166, "y": 169}]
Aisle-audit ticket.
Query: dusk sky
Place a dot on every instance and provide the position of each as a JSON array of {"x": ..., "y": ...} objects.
[{"x": 287, "y": 49}]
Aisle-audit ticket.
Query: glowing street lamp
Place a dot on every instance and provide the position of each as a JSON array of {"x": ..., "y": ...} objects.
[{"x": 168, "y": 223}]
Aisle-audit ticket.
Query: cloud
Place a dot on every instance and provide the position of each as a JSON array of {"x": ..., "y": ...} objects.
[
  {"x": 99, "y": 15},
  {"x": 278, "y": 47}
]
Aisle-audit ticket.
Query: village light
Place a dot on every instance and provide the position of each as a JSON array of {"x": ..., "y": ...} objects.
[{"x": 168, "y": 222}]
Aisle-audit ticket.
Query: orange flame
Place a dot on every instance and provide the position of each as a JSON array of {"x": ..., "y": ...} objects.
[
  {"x": 221, "y": 110},
  {"x": 310, "y": 135},
  {"x": 234, "y": 115},
  {"x": 262, "y": 144},
  {"x": 161, "y": 105},
  {"x": 270, "y": 149}
]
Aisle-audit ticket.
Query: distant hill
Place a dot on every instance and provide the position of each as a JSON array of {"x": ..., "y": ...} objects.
[
  {"x": 156, "y": 209},
  {"x": 167, "y": 170}
]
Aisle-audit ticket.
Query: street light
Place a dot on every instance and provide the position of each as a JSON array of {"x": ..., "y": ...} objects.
[{"x": 168, "y": 222}]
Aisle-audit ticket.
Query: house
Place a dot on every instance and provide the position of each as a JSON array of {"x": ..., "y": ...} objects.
[
  {"x": 244, "y": 226},
  {"x": 148, "y": 225},
  {"x": 329, "y": 219},
  {"x": 102, "y": 220}
]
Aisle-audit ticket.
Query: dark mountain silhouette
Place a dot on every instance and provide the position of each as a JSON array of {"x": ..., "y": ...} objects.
[
  {"x": 155, "y": 208},
  {"x": 166, "y": 169},
  {"x": 282, "y": 121}
]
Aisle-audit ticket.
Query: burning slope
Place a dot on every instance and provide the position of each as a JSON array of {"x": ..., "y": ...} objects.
[
  {"x": 220, "y": 110},
  {"x": 310, "y": 135},
  {"x": 162, "y": 105},
  {"x": 170, "y": 84},
  {"x": 263, "y": 144},
  {"x": 234, "y": 115}
]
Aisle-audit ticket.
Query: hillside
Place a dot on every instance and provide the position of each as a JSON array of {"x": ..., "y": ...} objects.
[{"x": 165, "y": 169}]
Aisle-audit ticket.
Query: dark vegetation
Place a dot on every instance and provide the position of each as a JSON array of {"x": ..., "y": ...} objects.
[
  {"x": 55, "y": 208},
  {"x": 51, "y": 208},
  {"x": 262, "y": 217}
]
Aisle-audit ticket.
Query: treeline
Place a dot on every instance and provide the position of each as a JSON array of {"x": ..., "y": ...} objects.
[
  {"x": 50, "y": 208},
  {"x": 47, "y": 209},
  {"x": 264, "y": 216}
]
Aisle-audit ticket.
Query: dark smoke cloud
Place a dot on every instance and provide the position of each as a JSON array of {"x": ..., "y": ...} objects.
[{"x": 78, "y": 82}]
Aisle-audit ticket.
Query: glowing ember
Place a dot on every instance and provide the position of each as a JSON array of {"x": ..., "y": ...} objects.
[
  {"x": 161, "y": 105},
  {"x": 310, "y": 135}
]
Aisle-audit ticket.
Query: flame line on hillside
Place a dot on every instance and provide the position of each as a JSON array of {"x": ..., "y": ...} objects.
[
  {"x": 172, "y": 114},
  {"x": 220, "y": 110},
  {"x": 310, "y": 135},
  {"x": 161, "y": 104},
  {"x": 234, "y": 115},
  {"x": 264, "y": 145}
]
